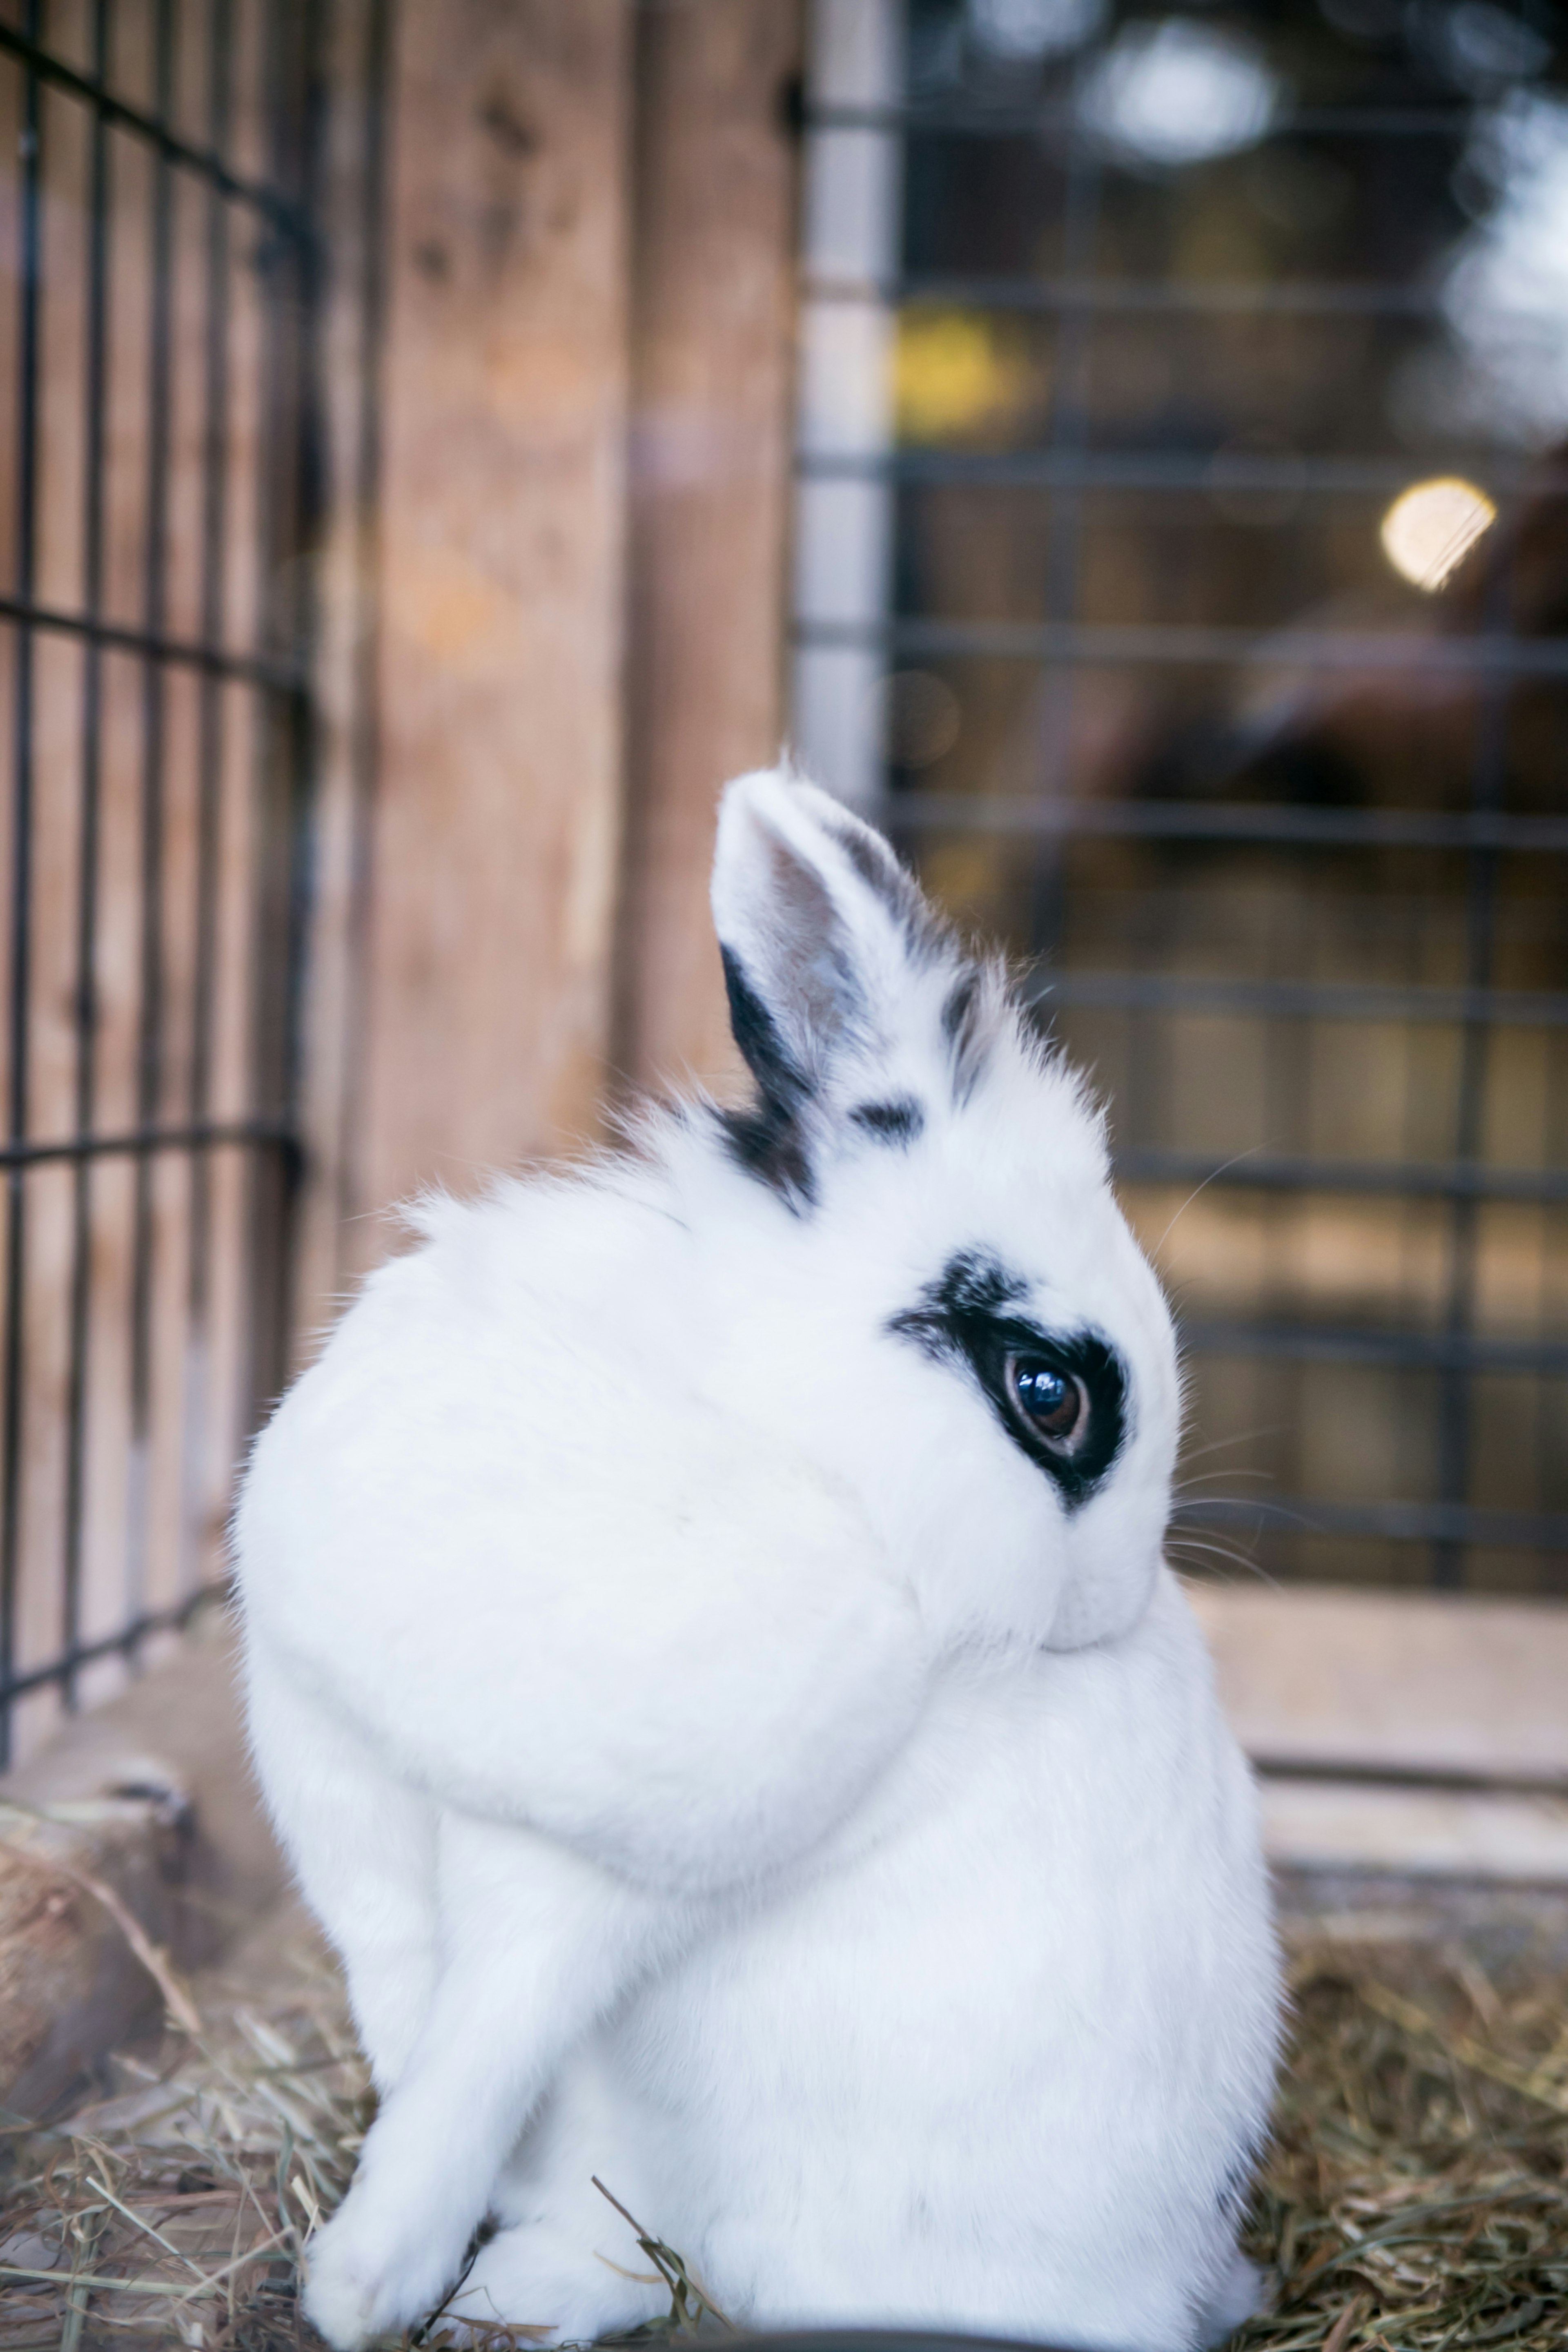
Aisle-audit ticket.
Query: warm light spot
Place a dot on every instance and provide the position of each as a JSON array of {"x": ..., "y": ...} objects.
[
  {"x": 952, "y": 373},
  {"x": 1432, "y": 526}
]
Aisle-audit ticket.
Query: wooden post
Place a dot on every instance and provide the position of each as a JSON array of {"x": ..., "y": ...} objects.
[
  {"x": 497, "y": 832},
  {"x": 358, "y": 130},
  {"x": 713, "y": 372}
]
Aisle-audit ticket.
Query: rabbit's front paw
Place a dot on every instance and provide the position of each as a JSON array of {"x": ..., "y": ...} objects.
[
  {"x": 533, "y": 2277},
  {"x": 362, "y": 2283}
]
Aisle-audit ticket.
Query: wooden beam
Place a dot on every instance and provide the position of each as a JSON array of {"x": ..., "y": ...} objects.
[
  {"x": 151, "y": 1797},
  {"x": 496, "y": 831},
  {"x": 713, "y": 372},
  {"x": 1407, "y": 1732},
  {"x": 356, "y": 128}
]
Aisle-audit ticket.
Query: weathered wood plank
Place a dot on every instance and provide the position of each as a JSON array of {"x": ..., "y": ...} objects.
[
  {"x": 153, "y": 1796},
  {"x": 714, "y": 276},
  {"x": 496, "y": 831}
]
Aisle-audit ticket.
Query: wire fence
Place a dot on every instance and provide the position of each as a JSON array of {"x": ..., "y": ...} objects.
[{"x": 159, "y": 263}]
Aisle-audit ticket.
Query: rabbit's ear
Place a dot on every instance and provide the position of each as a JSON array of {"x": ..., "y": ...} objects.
[{"x": 817, "y": 922}]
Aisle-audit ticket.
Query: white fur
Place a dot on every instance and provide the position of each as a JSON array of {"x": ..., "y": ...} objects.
[{"x": 722, "y": 1760}]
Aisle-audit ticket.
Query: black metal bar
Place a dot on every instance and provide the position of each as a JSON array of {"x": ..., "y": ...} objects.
[
  {"x": 1425, "y": 1523},
  {"x": 149, "y": 1039},
  {"x": 217, "y": 661},
  {"x": 30, "y": 296},
  {"x": 1132, "y": 298},
  {"x": 1068, "y": 437},
  {"x": 286, "y": 742},
  {"x": 260, "y": 1134},
  {"x": 86, "y": 1014},
  {"x": 45, "y": 67},
  {"x": 306, "y": 405},
  {"x": 275, "y": 546},
  {"x": 1186, "y": 472},
  {"x": 1307, "y": 1000},
  {"x": 209, "y": 782},
  {"x": 1487, "y": 775},
  {"x": 122, "y": 1645},
  {"x": 919, "y": 117},
  {"x": 1303, "y": 1343},
  {"x": 1278, "y": 1764},
  {"x": 1181, "y": 646},
  {"x": 1273, "y": 1173},
  {"x": 1225, "y": 821},
  {"x": 365, "y": 745}
]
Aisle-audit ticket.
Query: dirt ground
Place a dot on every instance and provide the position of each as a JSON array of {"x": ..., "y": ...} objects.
[{"x": 1416, "y": 2196}]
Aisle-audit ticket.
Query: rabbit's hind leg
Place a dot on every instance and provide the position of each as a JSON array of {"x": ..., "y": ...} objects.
[
  {"x": 563, "y": 2258},
  {"x": 536, "y": 1945},
  {"x": 542, "y": 2277},
  {"x": 364, "y": 1849}
]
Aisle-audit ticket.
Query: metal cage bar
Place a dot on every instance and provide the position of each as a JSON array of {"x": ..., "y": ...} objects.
[
  {"x": 22, "y": 787},
  {"x": 150, "y": 1041},
  {"x": 88, "y": 864},
  {"x": 273, "y": 672}
]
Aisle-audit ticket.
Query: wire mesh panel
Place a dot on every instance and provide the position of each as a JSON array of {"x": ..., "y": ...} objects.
[
  {"x": 157, "y": 494},
  {"x": 1183, "y": 575}
]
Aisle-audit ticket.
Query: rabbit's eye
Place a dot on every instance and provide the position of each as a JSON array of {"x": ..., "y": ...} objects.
[{"x": 1052, "y": 1402}]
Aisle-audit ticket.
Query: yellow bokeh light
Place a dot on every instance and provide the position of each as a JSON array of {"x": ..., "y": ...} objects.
[
  {"x": 953, "y": 372},
  {"x": 1432, "y": 527}
]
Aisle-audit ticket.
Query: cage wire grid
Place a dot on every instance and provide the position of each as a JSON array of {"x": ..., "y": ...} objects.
[
  {"x": 859, "y": 102},
  {"x": 276, "y": 241},
  {"x": 279, "y": 239}
]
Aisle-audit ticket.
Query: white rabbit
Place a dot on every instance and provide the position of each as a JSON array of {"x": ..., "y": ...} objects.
[{"x": 711, "y": 1664}]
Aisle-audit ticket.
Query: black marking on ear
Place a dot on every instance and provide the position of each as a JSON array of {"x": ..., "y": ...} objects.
[
  {"x": 965, "y": 1317},
  {"x": 767, "y": 1140},
  {"x": 813, "y": 952},
  {"x": 892, "y": 884},
  {"x": 967, "y": 1031},
  {"x": 891, "y": 1122},
  {"x": 964, "y": 1032},
  {"x": 769, "y": 1147},
  {"x": 882, "y": 874},
  {"x": 757, "y": 1034}
]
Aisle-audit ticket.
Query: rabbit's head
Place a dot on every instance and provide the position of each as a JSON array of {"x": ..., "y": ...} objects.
[{"x": 924, "y": 1277}]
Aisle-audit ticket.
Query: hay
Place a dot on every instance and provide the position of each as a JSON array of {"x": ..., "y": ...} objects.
[
  {"x": 1416, "y": 2192},
  {"x": 1416, "y": 2198},
  {"x": 172, "y": 2211}
]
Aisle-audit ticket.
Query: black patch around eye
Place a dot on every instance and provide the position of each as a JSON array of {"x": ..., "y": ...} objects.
[
  {"x": 891, "y": 1122},
  {"x": 964, "y": 1318}
]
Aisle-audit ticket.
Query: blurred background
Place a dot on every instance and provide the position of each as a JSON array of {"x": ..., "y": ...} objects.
[
  {"x": 1201, "y": 576},
  {"x": 1124, "y": 447}
]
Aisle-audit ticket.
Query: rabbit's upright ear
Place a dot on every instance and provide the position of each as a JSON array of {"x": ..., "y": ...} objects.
[{"x": 817, "y": 924}]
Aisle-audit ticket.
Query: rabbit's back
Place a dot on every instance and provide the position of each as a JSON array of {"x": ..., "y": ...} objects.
[{"x": 495, "y": 1531}]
